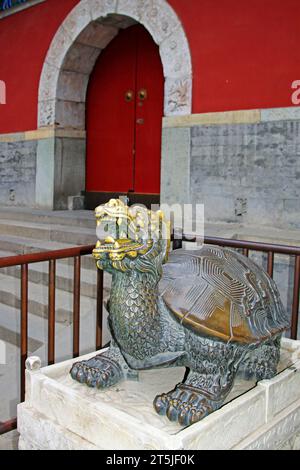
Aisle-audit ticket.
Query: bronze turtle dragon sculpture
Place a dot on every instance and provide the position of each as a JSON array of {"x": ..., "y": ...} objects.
[{"x": 211, "y": 310}]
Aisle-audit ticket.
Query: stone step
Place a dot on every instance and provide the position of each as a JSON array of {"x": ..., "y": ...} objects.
[
  {"x": 37, "y": 345},
  {"x": 10, "y": 325},
  {"x": 38, "y": 333},
  {"x": 49, "y": 232},
  {"x": 38, "y": 299},
  {"x": 6, "y": 254},
  {"x": 14, "y": 338},
  {"x": 75, "y": 218},
  {"x": 38, "y": 274},
  {"x": 22, "y": 245},
  {"x": 10, "y": 383}
]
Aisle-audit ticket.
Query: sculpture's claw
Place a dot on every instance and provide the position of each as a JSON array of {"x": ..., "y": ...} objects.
[
  {"x": 183, "y": 405},
  {"x": 100, "y": 372}
]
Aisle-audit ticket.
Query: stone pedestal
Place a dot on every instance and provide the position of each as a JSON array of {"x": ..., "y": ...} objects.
[{"x": 60, "y": 413}]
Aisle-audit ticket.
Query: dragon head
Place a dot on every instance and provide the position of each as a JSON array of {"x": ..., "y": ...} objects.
[{"x": 130, "y": 237}]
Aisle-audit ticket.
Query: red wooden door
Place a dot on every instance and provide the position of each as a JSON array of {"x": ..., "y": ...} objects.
[{"x": 124, "y": 116}]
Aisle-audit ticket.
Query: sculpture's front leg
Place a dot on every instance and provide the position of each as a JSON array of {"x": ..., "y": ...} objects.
[
  {"x": 213, "y": 366},
  {"x": 103, "y": 370}
]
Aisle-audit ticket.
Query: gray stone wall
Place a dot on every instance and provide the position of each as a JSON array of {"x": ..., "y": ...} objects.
[
  {"x": 69, "y": 170},
  {"x": 247, "y": 173},
  {"x": 17, "y": 173},
  {"x": 60, "y": 171}
]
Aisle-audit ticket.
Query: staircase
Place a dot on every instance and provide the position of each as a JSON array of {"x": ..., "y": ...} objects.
[{"x": 25, "y": 231}]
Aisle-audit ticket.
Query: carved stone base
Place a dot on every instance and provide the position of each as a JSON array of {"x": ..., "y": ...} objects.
[{"x": 60, "y": 413}]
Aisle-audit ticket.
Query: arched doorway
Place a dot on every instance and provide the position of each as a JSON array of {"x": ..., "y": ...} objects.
[
  {"x": 79, "y": 41},
  {"x": 124, "y": 119}
]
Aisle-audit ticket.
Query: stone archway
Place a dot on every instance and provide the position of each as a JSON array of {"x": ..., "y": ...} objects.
[{"x": 85, "y": 32}]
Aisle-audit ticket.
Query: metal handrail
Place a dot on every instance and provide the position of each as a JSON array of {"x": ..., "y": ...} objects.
[
  {"x": 46, "y": 256},
  {"x": 250, "y": 245},
  {"x": 77, "y": 252},
  {"x": 52, "y": 256}
]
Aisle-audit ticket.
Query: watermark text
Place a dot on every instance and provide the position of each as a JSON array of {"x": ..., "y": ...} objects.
[
  {"x": 296, "y": 94},
  {"x": 2, "y": 92}
]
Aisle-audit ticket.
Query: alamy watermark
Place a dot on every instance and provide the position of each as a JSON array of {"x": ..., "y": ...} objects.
[
  {"x": 2, "y": 352},
  {"x": 162, "y": 221},
  {"x": 2, "y": 92},
  {"x": 296, "y": 94}
]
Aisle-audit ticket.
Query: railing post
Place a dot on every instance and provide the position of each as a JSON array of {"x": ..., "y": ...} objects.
[
  {"x": 296, "y": 292},
  {"x": 246, "y": 252},
  {"x": 24, "y": 325},
  {"x": 177, "y": 238},
  {"x": 51, "y": 312},
  {"x": 270, "y": 267},
  {"x": 99, "y": 319},
  {"x": 76, "y": 306}
]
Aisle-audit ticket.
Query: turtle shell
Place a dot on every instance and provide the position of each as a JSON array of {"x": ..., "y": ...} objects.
[{"x": 218, "y": 292}]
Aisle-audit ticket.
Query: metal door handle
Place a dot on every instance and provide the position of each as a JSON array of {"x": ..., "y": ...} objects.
[
  {"x": 140, "y": 121},
  {"x": 129, "y": 96},
  {"x": 143, "y": 94}
]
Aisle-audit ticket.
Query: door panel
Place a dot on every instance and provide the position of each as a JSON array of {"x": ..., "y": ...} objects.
[
  {"x": 150, "y": 110},
  {"x": 123, "y": 152},
  {"x": 110, "y": 119}
]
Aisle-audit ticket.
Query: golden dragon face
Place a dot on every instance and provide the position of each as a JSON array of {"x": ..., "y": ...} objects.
[{"x": 129, "y": 232}]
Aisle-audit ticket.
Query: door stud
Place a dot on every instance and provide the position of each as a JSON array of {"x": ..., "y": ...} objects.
[
  {"x": 143, "y": 94},
  {"x": 129, "y": 96}
]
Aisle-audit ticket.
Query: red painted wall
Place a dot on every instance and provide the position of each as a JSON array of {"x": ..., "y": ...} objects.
[
  {"x": 245, "y": 54},
  {"x": 24, "y": 41}
]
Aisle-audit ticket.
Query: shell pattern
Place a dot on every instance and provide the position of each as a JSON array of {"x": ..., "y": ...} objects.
[{"x": 221, "y": 293}]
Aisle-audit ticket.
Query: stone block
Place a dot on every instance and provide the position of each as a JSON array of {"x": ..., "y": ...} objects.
[
  {"x": 46, "y": 112},
  {"x": 81, "y": 58},
  {"x": 43, "y": 434},
  {"x": 17, "y": 172},
  {"x": 279, "y": 114},
  {"x": 283, "y": 390},
  {"x": 175, "y": 55},
  {"x": 208, "y": 119},
  {"x": 97, "y": 35},
  {"x": 178, "y": 93},
  {"x": 256, "y": 162},
  {"x": 72, "y": 86},
  {"x": 224, "y": 428},
  {"x": 216, "y": 207},
  {"x": 75, "y": 203},
  {"x": 130, "y": 8},
  {"x": 69, "y": 170},
  {"x": 60, "y": 413},
  {"x": 266, "y": 211},
  {"x": 58, "y": 50},
  {"x": 77, "y": 20},
  {"x": 44, "y": 196},
  {"x": 291, "y": 205},
  {"x": 69, "y": 114},
  {"x": 102, "y": 8},
  {"x": 159, "y": 18},
  {"x": 281, "y": 433},
  {"x": 175, "y": 166},
  {"x": 50, "y": 75}
]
